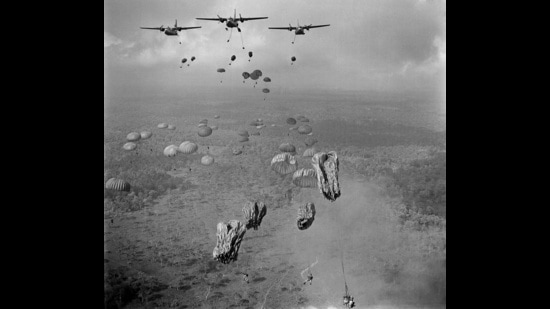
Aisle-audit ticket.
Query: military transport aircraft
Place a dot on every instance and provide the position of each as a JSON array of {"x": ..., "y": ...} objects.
[
  {"x": 170, "y": 30},
  {"x": 232, "y": 22},
  {"x": 299, "y": 30}
]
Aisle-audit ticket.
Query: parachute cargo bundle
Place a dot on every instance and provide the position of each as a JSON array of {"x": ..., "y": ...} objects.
[
  {"x": 326, "y": 167},
  {"x": 254, "y": 212},
  {"x": 305, "y": 178},
  {"x": 306, "y": 215},
  {"x": 229, "y": 240}
]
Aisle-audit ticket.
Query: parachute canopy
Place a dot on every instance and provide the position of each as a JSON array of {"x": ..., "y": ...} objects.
[
  {"x": 243, "y": 139},
  {"x": 188, "y": 147},
  {"x": 267, "y": 79},
  {"x": 237, "y": 151},
  {"x": 265, "y": 90},
  {"x": 233, "y": 58},
  {"x": 202, "y": 125},
  {"x": 326, "y": 166},
  {"x": 293, "y": 58},
  {"x": 207, "y": 160},
  {"x": 284, "y": 163},
  {"x": 129, "y": 146},
  {"x": 310, "y": 152},
  {"x": 205, "y": 131},
  {"x": 117, "y": 184},
  {"x": 255, "y": 133},
  {"x": 132, "y": 137},
  {"x": 287, "y": 147},
  {"x": 216, "y": 116},
  {"x": 306, "y": 215},
  {"x": 255, "y": 74},
  {"x": 310, "y": 141},
  {"x": 145, "y": 134},
  {"x": 291, "y": 121},
  {"x": 246, "y": 75},
  {"x": 162, "y": 125},
  {"x": 193, "y": 58},
  {"x": 229, "y": 236},
  {"x": 220, "y": 70},
  {"x": 304, "y": 129},
  {"x": 184, "y": 60},
  {"x": 171, "y": 150},
  {"x": 171, "y": 127},
  {"x": 205, "y": 121},
  {"x": 305, "y": 178},
  {"x": 250, "y": 54},
  {"x": 254, "y": 213},
  {"x": 243, "y": 133}
]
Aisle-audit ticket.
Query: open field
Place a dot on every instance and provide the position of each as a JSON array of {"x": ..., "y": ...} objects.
[{"x": 389, "y": 227}]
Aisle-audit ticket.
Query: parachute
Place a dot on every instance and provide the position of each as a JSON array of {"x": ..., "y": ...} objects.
[
  {"x": 267, "y": 79},
  {"x": 216, "y": 116},
  {"x": 237, "y": 151},
  {"x": 284, "y": 163},
  {"x": 193, "y": 58},
  {"x": 129, "y": 146},
  {"x": 243, "y": 133},
  {"x": 326, "y": 166},
  {"x": 305, "y": 178},
  {"x": 205, "y": 121},
  {"x": 243, "y": 139},
  {"x": 171, "y": 151},
  {"x": 171, "y": 127},
  {"x": 232, "y": 59},
  {"x": 162, "y": 125},
  {"x": 291, "y": 121},
  {"x": 310, "y": 152},
  {"x": 202, "y": 125},
  {"x": 255, "y": 133},
  {"x": 188, "y": 147},
  {"x": 220, "y": 70},
  {"x": 132, "y": 137},
  {"x": 265, "y": 90},
  {"x": 249, "y": 55},
  {"x": 184, "y": 60},
  {"x": 287, "y": 147},
  {"x": 205, "y": 131},
  {"x": 310, "y": 141},
  {"x": 229, "y": 236},
  {"x": 306, "y": 215},
  {"x": 145, "y": 134},
  {"x": 207, "y": 160},
  {"x": 254, "y": 212},
  {"x": 255, "y": 75},
  {"x": 293, "y": 59},
  {"x": 304, "y": 129},
  {"x": 117, "y": 184}
]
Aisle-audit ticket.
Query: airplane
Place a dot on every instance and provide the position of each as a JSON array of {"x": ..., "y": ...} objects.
[
  {"x": 169, "y": 30},
  {"x": 299, "y": 30},
  {"x": 232, "y": 22}
]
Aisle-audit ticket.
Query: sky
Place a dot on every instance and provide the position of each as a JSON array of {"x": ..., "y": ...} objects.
[{"x": 385, "y": 45}]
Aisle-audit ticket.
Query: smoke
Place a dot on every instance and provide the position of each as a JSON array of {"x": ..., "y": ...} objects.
[{"x": 384, "y": 264}]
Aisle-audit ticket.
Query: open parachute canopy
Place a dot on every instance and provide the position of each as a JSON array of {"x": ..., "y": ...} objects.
[
  {"x": 243, "y": 139},
  {"x": 207, "y": 160},
  {"x": 250, "y": 54},
  {"x": 284, "y": 163},
  {"x": 193, "y": 58},
  {"x": 220, "y": 70},
  {"x": 305, "y": 178},
  {"x": 304, "y": 129},
  {"x": 146, "y": 134},
  {"x": 310, "y": 141},
  {"x": 188, "y": 147},
  {"x": 267, "y": 79},
  {"x": 162, "y": 125},
  {"x": 129, "y": 146},
  {"x": 254, "y": 212},
  {"x": 287, "y": 147},
  {"x": 326, "y": 166},
  {"x": 184, "y": 60},
  {"x": 233, "y": 58},
  {"x": 117, "y": 184},
  {"x": 171, "y": 127},
  {"x": 205, "y": 131},
  {"x": 243, "y": 133},
  {"x": 291, "y": 121},
  {"x": 171, "y": 151},
  {"x": 246, "y": 75},
  {"x": 255, "y": 74},
  {"x": 133, "y": 136},
  {"x": 265, "y": 90},
  {"x": 229, "y": 236},
  {"x": 306, "y": 215},
  {"x": 310, "y": 152}
]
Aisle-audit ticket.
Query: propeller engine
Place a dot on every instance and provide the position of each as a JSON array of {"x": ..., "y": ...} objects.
[
  {"x": 307, "y": 27},
  {"x": 289, "y": 27},
  {"x": 241, "y": 18},
  {"x": 221, "y": 19},
  {"x": 162, "y": 28}
]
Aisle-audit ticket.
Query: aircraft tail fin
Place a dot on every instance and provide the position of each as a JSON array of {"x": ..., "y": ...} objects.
[
  {"x": 176, "y": 24},
  {"x": 234, "y": 13}
]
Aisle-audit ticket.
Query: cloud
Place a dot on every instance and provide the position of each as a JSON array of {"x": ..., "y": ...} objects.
[{"x": 109, "y": 39}]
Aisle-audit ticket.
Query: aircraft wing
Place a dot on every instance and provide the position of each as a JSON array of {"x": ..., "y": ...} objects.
[
  {"x": 214, "y": 19},
  {"x": 283, "y": 28},
  {"x": 318, "y": 26},
  {"x": 154, "y": 28},
  {"x": 186, "y": 28},
  {"x": 252, "y": 18}
]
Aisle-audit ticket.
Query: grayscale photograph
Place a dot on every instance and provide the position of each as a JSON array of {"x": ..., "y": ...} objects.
[{"x": 274, "y": 154}]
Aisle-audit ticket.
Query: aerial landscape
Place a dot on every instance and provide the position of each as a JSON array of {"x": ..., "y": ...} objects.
[{"x": 266, "y": 171}]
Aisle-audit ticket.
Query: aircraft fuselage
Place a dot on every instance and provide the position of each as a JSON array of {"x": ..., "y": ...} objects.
[
  {"x": 231, "y": 23},
  {"x": 300, "y": 31},
  {"x": 170, "y": 32}
]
